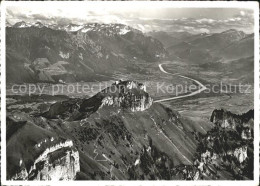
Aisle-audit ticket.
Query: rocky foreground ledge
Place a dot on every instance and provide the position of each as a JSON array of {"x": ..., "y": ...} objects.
[{"x": 34, "y": 153}]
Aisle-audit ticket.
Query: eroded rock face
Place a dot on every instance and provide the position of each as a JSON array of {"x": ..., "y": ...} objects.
[
  {"x": 229, "y": 145},
  {"x": 241, "y": 123},
  {"x": 246, "y": 133},
  {"x": 227, "y": 119},
  {"x": 62, "y": 168},
  {"x": 124, "y": 95},
  {"x": 127, "y": 94},
  {"x": 241, "y": 153},
  {"x": 57, "y": 162}
]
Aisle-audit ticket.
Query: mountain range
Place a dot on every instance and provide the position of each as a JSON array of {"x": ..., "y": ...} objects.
[
  {"x": 203, "y": 48},
  {"x": 74, "y": 53},
  {"x": 71, "y": 53}
]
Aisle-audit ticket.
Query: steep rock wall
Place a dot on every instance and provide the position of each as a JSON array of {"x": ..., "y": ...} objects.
[{"x": 57, "y": 162}]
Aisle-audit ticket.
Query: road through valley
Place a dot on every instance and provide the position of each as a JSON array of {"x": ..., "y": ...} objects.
[{"x": 201, "y": 86}]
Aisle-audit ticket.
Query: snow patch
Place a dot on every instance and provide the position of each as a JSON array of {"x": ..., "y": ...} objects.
[
  {"x": 84, "y": 30},
  {"x": 123, "y": 31},
  {"x": 75, "y": 28}
]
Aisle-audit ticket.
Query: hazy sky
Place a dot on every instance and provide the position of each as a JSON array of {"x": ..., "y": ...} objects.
[{"x": 142, "y": 17}]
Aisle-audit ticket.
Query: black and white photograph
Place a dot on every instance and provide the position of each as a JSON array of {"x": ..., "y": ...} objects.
[{"x": 129, "y": 91}]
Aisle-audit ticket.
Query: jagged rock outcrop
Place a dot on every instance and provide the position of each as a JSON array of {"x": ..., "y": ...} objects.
[
  {"x": 187, "y": 172},
  {"x": 229, "y": 145},
  {"x": 227, "y": 119},
  {"x": 123, "y": 95},
  {"x": 128, "y": 94},
  {"x": 241, "y": 153},
  {"x": 246, "y": 133},
  {"x": 57, "y": 162},
  {"x": 34, "y": 153},
  {"x": 242, "y": 123}
]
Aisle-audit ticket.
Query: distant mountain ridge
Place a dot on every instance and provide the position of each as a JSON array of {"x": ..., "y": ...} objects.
[
  {"x": 74, "y": 53},
  {"x": 204, "y": 48},
  {"x": 116, "y": 28}
]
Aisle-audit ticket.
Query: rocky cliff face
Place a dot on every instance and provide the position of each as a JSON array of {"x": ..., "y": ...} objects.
[
  {"x": 222, "y": 149},
  {"x": 128, "y": 94},
  {"x": 58, "y": 162},
  {"x": 122, "y": 95},
  {"x": 34, "y": 153},
  {"x": 241, "y": 153},
  {"x": 230, "y": 143},
  {"x": 243, "y": 124}
]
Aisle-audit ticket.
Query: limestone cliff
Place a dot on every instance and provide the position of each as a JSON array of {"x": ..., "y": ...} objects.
[
  {"x": 229, "y": 145},
  {"x": 51, "y": 158},
  {"x": 58, "y": 162},
  {"x": 241, "y": 153},
  {"x": 123, "y": 95},
  {"x": 127, "y": 94},
  {"x": 241, "y": 123}
]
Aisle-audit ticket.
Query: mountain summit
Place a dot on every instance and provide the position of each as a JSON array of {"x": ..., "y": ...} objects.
[
  {"x": 122, "y": 95},
  {"x": 21, "y": 24}
]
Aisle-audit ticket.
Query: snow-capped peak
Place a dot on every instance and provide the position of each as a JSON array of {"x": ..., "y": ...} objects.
[
  {"x": 107, "y": 29},
  {"x": 86, "y": 29},
  {"x": 38, "y": 24},
  {"x": 21, "y": 24},
  {"x": 73, "y": 27},
  {"x": 124, "y": 30}
]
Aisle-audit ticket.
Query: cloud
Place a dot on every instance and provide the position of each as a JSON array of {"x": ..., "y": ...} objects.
[
  {"x": 205, "y": 20},
  {"x": 244, "y": 23}
]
